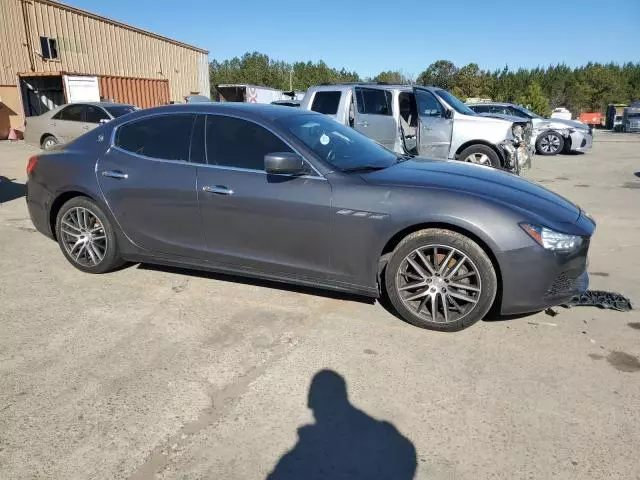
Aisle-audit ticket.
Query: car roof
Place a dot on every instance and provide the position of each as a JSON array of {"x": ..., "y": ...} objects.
[
  {"x": 265, "y": 111},
  {"x": 347, "y": 86},
  {"x": 495, "y": 104}
]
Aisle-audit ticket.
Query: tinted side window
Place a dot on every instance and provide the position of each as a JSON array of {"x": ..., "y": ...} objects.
[
  {"x": 480, "y": 108},
  {"x": 326, "y": 102},
  {"x": 233, "y": 142},
  {"x": 95, "y": 114},
  {"x": 73, "y": 113},
  {"x": 197, "y": 153},
  {"x": 165, "y": 136},
  {"x": 373, "y": 101},
  {"x": 428, "y": 106}
]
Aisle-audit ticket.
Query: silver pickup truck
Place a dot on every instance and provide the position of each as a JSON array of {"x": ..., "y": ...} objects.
[{"x": 425, "y": 121}]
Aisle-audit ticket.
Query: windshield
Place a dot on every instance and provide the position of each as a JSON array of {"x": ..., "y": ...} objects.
[
  {"x": 455, "y": 102},
  {"x": 527, "y": 112},
  {"x": 341, "y": 146},
  {"x": 119, "y": 110}
]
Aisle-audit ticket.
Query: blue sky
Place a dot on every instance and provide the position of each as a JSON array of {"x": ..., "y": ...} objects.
[{"x": 369, "y": 36}]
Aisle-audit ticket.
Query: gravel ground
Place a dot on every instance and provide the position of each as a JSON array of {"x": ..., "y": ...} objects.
[{"x": 160, "y": 373}]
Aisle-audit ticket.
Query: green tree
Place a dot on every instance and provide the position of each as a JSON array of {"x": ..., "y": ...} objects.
[
  {"x": 441, "y": 73},
  {"x": 392, "y": 77},
  {"x": 534, "y": 99}
]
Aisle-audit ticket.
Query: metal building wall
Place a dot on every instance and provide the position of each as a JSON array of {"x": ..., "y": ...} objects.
[
  {"x": 143, "y": 92},
  {"x": 90, "y": 44}
]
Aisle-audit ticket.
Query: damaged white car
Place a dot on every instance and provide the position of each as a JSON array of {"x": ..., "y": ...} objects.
[
  {"x": 550, "y": 135},
  {"x": 425, "y": 121}
]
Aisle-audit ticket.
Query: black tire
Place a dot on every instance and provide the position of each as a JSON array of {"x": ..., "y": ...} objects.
[
  {"x": 111, "y": 258},
  {"x": 48, "y": 141},
  {"x": 483, "y": 155},
  {"x": 486, "y": 283},
  {"x": 549, "y": 143}
]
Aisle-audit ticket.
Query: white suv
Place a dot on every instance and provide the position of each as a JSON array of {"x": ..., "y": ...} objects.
[{"x": 425, "y": 121}]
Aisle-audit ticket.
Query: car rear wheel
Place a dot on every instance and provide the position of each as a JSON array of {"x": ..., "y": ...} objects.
[
  {"x": 86, "y": 237},
  {"x": 48, "y": 142},
  {"x": 549, "y": 143},
  {"x": 440, "y": 280},
  {"x": 481, "y": 155}
]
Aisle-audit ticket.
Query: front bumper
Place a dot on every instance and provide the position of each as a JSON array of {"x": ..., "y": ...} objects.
[
  {"x": 534, "y": 278},
  {"x": 516, "y": 156},
  {"x": 581, "y": 140}
]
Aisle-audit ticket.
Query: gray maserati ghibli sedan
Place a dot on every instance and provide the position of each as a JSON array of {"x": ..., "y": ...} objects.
[{"x": 293, "y": 196}]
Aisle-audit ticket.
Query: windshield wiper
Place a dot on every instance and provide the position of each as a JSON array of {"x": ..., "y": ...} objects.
[
  {"x": 404, "y": 158},
  {"x": 365, "y": 168}
]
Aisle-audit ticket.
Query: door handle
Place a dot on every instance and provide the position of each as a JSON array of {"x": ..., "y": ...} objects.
[
  {"x": 115, "y": 174},
  {"x": 362, "y": 124},
  {"x": 218, "y": 189}
]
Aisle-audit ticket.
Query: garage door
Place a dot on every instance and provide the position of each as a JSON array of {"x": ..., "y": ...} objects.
[{"x": 143, "y": 92}]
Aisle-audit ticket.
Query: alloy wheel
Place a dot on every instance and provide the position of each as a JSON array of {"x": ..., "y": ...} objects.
[
  {"x": 479, "y": 158},
  {"x": 83, "y": 236},
  {"x": 550, "y": 143},
  {"x": 439, "y": 283}
]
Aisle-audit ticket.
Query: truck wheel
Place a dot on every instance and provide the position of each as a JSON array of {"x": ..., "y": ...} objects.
[
  {"x": 481, "y": 155},
  {"x": 549, "y": 143}
]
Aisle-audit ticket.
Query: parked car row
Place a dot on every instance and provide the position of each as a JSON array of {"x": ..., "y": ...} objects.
[
  {"x": 551, "y": 135},
  {"x": 294, "y": 196}
]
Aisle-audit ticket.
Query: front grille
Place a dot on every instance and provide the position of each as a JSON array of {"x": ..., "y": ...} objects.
[
  {"x": 584, "y": 142},
  {"x": 564, "y": 283}
]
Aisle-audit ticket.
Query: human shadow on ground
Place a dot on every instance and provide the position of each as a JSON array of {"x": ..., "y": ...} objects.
[
  {"x": 10, "y": 190},
  {"x": 344, "y": 442}
]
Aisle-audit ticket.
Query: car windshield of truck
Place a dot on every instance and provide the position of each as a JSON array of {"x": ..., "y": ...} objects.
[
  {"x": 341, "y": 146},
  {"x": 119, "y": 110},
  {"x": 455, "y": 103}
]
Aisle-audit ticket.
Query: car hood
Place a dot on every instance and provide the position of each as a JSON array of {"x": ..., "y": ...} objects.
[
  {"x": 503, "y": 187},
  {"x": 561, "y": 123}
]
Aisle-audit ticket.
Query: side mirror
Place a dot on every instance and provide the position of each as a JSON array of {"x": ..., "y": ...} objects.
[
  {"x": 284, "y": 163},
  {"x": 448, "y": 114}
]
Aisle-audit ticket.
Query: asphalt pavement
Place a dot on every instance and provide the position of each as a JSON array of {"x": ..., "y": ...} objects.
[{"x": 150, "y": 372}]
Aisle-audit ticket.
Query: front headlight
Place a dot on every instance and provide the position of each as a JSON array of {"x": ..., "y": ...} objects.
[
  {"x": 552, "y": 240},
  {"x": 518, "y": 131}
]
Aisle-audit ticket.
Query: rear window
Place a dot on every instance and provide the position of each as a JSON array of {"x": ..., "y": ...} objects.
[
  {"x": 164, "y": 136},
  {"x": 119, "y": 110},
  {"x": 326, "y": 102}
]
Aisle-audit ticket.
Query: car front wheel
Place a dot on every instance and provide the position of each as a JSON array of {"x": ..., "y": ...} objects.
[
  {"x": 481, "y": 155},
  {"x": 550, "y": 143},
  {"x": 48, "y": 142},
  {"x": 86, "y": 237},
  {"x": 440, "y": 280}
]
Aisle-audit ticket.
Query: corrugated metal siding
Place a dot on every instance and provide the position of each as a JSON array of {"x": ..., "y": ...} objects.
[
  {"x": 88, "y": 44},
  {"x": 139, "y": 91}
]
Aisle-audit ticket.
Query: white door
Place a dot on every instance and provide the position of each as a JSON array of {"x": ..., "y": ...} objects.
[{"x": 81, "y": 89}]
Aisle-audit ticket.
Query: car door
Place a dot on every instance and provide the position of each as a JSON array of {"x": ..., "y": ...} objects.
[
  {"x": 94, "y": 116},
  {"x": 435, "y": 129},
  {"x": 374, "y": 116},
  {"x": 69, "y": 122},
  {"x": 254, "y": 221},
  {"x": 150, "y": 187}
]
